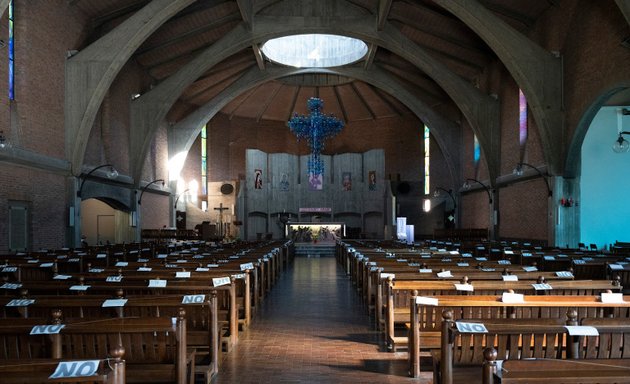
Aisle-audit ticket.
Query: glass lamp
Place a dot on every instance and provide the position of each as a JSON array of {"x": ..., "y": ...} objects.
[{"x": 621, "y": 145}]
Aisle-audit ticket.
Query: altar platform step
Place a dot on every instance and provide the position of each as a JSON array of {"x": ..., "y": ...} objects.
[{"x": 315, "y": 249}]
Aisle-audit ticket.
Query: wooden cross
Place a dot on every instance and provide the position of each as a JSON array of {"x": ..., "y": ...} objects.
[{"x": 220, "y": 208}]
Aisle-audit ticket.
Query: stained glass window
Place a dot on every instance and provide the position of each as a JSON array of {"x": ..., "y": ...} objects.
[
  {"x": 476, "y": 150},
  {"x": 204, "y": 163},
  {"x": 427, "y": 162},
  {"x": 522, "y": 118},
  {"x": 11, "y": 54}
]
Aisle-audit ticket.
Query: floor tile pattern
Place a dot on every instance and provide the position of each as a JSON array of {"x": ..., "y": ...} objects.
[{"x": 312, "y": 328}]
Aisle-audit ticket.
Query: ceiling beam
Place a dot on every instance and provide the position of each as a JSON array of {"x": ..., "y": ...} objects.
[
  {"x": 340, "y": 102},
  {"x": 294, "y": 102},
  {"x": 385, "y": 97},
  {"x": 363, "y": 101},
  {"x": 247, "y": 11},
  {"x": 383, "y": 11},
  {"x": 369, "y": 57},
  {"x": 190, "y": 32},
  {"x": 130, "y": 7},
  {"x": 268, "y": 101},
  {"x": 526, "y": 21},
  {"x": 259, "y": 57},
  {"x": 243, "y": 100}
]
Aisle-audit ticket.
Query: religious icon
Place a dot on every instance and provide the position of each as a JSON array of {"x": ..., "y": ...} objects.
[
  {"x": 284, "y": 182},
  {"x": 372, "y": 180},
  {"x": 258, "y": 179},
  {"x": 346, "y": 181},
  {"x": 315, "y": 182}
]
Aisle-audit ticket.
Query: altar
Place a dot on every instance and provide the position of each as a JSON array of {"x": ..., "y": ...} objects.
[{"x": 320, "y": 233}]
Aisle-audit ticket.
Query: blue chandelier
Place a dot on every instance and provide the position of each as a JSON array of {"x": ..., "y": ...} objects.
[{"x": 315, "y": 128}]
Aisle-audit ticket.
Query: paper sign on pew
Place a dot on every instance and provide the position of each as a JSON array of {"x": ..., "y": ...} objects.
[
  {"x": 488, "y": 269},
  {"x": 463, "y": 265},
  {"x": 182, "y": 275},
  {"x": 202, "y": 269},
  {"x": 219, "y": 281},
  {"x": 11, "y": 286},
  {"x": 145, "y": 269},
  {"x": 579, "y": 261},
  {"x": 68, "y": 369},
  {"x": 509, "y": 277},
  {"x": 566, "y": 274},
  {"x": 114, "y": 279},
  {"x": 62, "y": 277},
  {"x": 471, "y": 327},
  {"x": 612, "y": 297},
  {"x": 542, "y": 287},
  {"x": 504, "y": 262},
  {"x": 549, "y": 257},
  {"x": 20, "y": 302},
  {"x": 157, "y": 283},
  {"x": 464, "y": 287},
  {"x": 79, "y": 287},
  {"x": 426, "y": 300},
  {"x": 122, "y": 264},
  {"x": 9, "y": 269},
  {"x": 481, "y": 258},
  {"x": 49, "y": 329},
  {"x": 114, "y": 303},
  {"x": 247, "y": 266},
  {"x": 615, "y": 266},
  {"x": 425, "y": 270},
  {"x": 530, "y": 269},
  {"x": 32, "y": 262},
  {"x": 96, "y": 270},
  {"x": 74, "y": 260},
  {"x": 212, "y": 265},
  {"x": 444, "y": 274},
  {"x": 194, "y": 299},
  {"x": 509, "y": 297},
  {"x": 161, "y": 256},
  {"x": 388, "y": 275},
  {"x": 581, "y": 330},
  {"x": 46, "y": 265},
  {"x": 143, "y": 260},
  {"x": 239, "y": 276}
]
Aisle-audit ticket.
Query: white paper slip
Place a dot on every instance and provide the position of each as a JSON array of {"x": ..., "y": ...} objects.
[
  {"x": 463, "y": 265},
  {"x": 530, "y": 269},
  {"x": 219, "y": 281},
  {"x": 101, "y": 256},
  {"x": 425, "y": 270},
  {"x": 466, "y": 254},
  {"x": 161, "y": 256},
  {"x": 504, "y": 262},
  {"x": 182, "y": 275},
  {"x": 194, "y": 299},
  {"x": 74, "y": 260},
  {"x": 612, "y": 298},
  {"x": 464, "y": 287},
  {"x": 114, "y": 303},
  {"x": 444, "y": 274},
  {"x": 578, "y": 261},
  {"x": 426, "y": 300},
  {"x": 49, "y": 329},
  {"x": 181, "y": 261},
  {"x": 388, "y": 275},
  {"x": 145, "y": 269},
  {"x": 481, "y": 258},
  {"x": 62, "y": 257},
  {"x": 549, "y": 257},
  {"x": 202, "y": 269},
  {"x": 11, "y": 286},
  {"x": 510, "y": 278},
  {"x": 20, "y": 302},
  {"x": 33, "y": 261},
  {"x": 79, "y": 287},
  {"x": 239, "y": 276},
  {"x": 471, "y": 327},
  {"x": 542, "y": 287},
  {"x": 509, "y": 297},
  {"x": 62, "y": 277},
  {"x": 373, "y": 269},
  {"x": 567, "y": 274},
  {"x": 401, "y": 260},
  {"x": 96, "y": 270},
  {"x": 68, "y": 369},
  {"x": 454, "y": 252},
  {"x": 246, "y": 266},
  {"x": 157, "y": 283},
  {"x": 615, "y": 266},
  {"x": 488, "y": 269},
  {"x": 581, "y": 330},
  {"x": 122, "y": 264},
  {"x": 508, "y": 252},
  {"x": 114, "y": 279},
  {"x": 46, "y": 265}
]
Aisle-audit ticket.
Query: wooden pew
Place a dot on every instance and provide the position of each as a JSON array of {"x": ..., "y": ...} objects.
[
  {"x": 37, "y": 371},
  {"x": 426, "y": 321},
  {"x": 558, "y": 371}
]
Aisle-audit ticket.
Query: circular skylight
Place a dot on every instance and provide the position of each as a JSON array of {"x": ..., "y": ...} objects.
[{"x": 315, "y": 50}]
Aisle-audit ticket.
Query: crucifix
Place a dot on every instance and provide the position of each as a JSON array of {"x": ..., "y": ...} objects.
[
  {"x": 220, "y": 208},
  {"x": 315, "y": 128}
]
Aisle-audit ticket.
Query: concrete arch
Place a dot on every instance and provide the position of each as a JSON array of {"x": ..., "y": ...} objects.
[
  {"x": 183, "y": 134},
  {"x": 574, "y": 153},
  {"x": 90, "y": 73},
  {"x": 537, "y": 72},
  {"x": 481, "y": 111}
]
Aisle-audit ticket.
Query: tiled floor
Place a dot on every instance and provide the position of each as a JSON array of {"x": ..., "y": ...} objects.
[{"x": 312, "y": 328}]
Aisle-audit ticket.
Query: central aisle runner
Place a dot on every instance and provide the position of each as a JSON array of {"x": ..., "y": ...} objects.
[{"x": 312, "y": 328}]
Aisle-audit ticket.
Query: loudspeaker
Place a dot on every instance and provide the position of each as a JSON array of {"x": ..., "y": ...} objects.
[{"x": 227, "y": 189}]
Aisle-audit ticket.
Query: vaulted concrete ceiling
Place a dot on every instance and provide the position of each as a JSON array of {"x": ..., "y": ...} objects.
[{"x": 442, "y": 35}]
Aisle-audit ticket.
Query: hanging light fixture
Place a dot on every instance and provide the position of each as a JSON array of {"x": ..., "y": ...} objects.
[
  {"x": 315, "y": 128},
  {"x": 621, "y": 145},
  {"x": 4, "y": 143}
]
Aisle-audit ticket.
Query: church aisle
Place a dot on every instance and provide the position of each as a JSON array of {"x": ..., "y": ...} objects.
[{"x": 312, "y": 328}]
